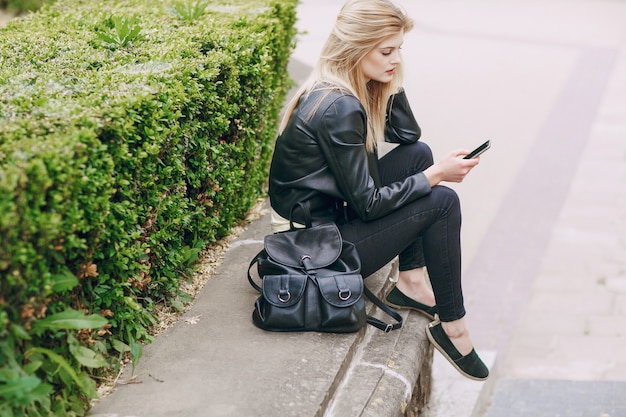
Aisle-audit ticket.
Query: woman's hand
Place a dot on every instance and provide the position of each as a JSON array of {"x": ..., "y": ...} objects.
[{"x": 451, "y": 168}]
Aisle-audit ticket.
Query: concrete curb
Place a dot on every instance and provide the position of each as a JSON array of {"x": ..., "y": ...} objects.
[
  {"x": 382, "y": 377},
  {"x": 389, "y": 374}
]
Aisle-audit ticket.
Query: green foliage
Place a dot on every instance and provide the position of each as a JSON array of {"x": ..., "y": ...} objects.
[
  {"x": 24, "y": 5},
  {"x": 189, "y": 10},
  {"x": 130, "y": 138},
  {"x": 121, "y": 31}
]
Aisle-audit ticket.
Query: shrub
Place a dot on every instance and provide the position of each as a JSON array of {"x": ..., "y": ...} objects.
[
  {"x": 23, "y": 5},
  {"x": 132, "y": 134}
]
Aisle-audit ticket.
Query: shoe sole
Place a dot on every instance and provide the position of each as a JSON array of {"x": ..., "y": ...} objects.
[
  {"x": 449, "y": 359},
  {"x": 422, "y": 312}
]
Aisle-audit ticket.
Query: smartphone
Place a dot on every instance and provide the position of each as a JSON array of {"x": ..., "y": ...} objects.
[{"x": 478, "y": 151}]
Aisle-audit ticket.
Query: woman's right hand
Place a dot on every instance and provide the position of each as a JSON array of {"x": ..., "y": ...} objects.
[{"x": 451, "y": 168}]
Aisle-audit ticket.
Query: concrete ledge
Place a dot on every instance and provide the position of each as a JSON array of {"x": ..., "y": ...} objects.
[
  {"x": 215, "y": 362},
  {"x": 383, "y": 378}
]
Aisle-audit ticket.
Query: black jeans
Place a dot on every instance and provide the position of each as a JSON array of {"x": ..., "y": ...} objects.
[{"x": 425, "y": 232}]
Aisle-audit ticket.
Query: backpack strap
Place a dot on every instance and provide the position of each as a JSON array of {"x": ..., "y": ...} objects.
[
  {"x": 256, "y": 258},
  {"x": 384, "y": 326},
  {"x": 306, "y": 212}
]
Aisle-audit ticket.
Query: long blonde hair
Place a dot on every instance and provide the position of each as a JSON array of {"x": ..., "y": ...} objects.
[{"x": 361, "y": 25}]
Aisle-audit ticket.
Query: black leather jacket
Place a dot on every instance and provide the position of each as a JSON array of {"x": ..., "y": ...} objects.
[{"x": 320, "y": 159}]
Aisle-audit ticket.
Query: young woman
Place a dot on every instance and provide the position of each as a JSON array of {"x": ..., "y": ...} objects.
[{"x": 326, "y": 157}]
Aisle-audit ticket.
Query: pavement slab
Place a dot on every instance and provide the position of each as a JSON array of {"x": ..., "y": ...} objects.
[{"x": 558, "y": 398}]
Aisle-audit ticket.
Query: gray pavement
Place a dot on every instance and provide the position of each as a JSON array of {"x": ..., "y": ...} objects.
[
  {"x": 544, "y": 232},
  {"x": 548, "y": 398}
]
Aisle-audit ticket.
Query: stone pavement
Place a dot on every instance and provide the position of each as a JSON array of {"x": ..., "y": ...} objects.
[{"x": 549, "y": 398}]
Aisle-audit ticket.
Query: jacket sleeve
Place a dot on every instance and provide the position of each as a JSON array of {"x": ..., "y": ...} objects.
[
  {"x": 342, "y": 140},
  {"x": 401, "y": 126}
]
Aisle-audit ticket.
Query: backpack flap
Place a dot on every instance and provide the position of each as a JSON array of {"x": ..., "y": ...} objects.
[
  {"x": 283, "y": 290},
  {"x": 288, "y": 248}
]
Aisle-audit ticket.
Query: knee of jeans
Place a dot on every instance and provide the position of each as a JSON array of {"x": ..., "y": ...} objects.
[
  {"x": 419, "y": 151},
  {"x": 425, "y": 150},
  {"x": 447, "y": 196}
]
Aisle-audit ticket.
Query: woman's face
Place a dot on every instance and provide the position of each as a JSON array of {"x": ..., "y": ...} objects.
[{"x": 381, "y": 62}]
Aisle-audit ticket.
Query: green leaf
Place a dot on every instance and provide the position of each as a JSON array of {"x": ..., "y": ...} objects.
[
  {"x": 70, "y": 319},
  {"x": 106, "y": 38},
  {"x": 31, "y": 367},
  {"x": 59, "y": 360},
  {"x": 136, "y": 352},
  {"x": 124, "y": 31},
  {"x": 19, "y": 332},
  {"x": 84, "y": 355},
  {"x": 134, "y": 32},
  {"x": 189, "y": 10},
  {"x": 88, "y": 357},
  {"x": 177, "y": 303},
  {"x": 19, "y": 387},
  {"x": 120, "y": 346},
  {"x": 64, "y": 282}
]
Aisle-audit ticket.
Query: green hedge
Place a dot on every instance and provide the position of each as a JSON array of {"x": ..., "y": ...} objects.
[
  {"x": 132, "y": 134},
  {"x": 23, "y": 5}
]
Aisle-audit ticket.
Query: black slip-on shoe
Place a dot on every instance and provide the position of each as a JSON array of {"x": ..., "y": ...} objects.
[
  {"x": 469, "y": 365},
  {"x": 398, "y": 299}
]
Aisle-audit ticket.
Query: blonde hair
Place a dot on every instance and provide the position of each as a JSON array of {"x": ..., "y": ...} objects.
[{"x": 361, "y": 25}]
